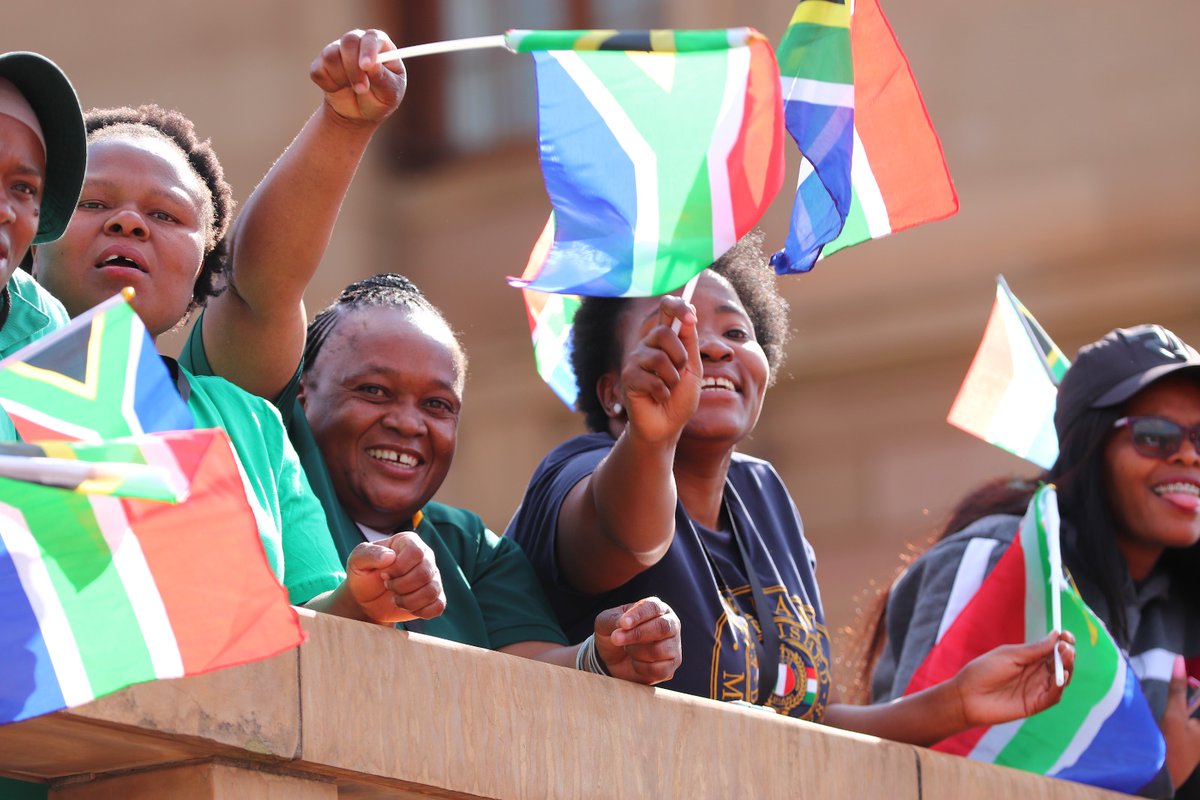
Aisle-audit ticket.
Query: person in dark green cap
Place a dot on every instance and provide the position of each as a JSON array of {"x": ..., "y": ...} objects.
[{"x": 42, "y": 157}]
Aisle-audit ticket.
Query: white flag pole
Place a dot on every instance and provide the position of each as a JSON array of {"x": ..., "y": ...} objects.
[
  {"x": 69, "y": 473},
  {"x": 1048, "y": 517},
  {"x": 453, "y": 45},
  {"x": 689, "y": 289}
]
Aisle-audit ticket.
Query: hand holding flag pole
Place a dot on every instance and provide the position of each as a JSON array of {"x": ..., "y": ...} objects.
[
  {"x": 147, "y": 481},
  {"x": 432, "y": 48},
  {"x": 1049, "y": 514},
  {"x": 689, "y": 289},
  {"x": 523, "y": 41}
]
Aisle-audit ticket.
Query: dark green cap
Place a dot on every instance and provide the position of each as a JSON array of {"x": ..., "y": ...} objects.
[{"x": 57, "y": 107}]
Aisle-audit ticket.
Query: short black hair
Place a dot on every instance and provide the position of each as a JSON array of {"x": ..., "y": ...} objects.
[
  {"x": 387, "y": 290},
  {"x": 174, "y": 127},
  {"x": 596, "y": 351}
]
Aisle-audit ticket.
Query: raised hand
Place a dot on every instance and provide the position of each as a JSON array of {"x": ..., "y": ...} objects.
[
  {"x": 663, "y": 374},
  {"x": 356, "y": 88},
  {"x": 640, "y": 641}
]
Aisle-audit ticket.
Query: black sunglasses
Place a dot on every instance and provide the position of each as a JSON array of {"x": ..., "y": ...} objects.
[{"x": 1156, "y": 437}]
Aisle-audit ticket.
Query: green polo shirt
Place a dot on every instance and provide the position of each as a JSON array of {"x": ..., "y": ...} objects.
[
  {"x": 493, "y": 598},
  {"x": 33, "y": 312}
]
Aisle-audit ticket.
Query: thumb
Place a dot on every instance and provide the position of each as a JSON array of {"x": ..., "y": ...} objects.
[
  {"x": 691, "y": 342},
  {"x": 608, "y": 620},
  {"x": 368, "y": 557},
  {"x": 1177, "y": 688}
]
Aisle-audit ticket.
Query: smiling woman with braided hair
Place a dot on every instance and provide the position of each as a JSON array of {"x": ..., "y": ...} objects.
[{"x": 381, "y": 396}]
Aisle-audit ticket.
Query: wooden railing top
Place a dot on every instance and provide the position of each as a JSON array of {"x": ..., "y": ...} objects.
[{"x": 362, "y": 711}]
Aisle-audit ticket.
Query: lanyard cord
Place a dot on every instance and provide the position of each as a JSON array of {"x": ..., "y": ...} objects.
[{"x": 768, "y": 667}]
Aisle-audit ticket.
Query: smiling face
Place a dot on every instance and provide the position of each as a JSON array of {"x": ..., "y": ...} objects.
[
  {"x": 736, "y": 372},
  {"x": 1155, "y": 501},
  {"x": 23, "y": 171},
  {"x": 383, "y": 399},
  {"x": 142, "y": 221}
]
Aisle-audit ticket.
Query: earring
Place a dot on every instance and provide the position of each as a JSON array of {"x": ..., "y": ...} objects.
[{"x": 617, "y": 409}]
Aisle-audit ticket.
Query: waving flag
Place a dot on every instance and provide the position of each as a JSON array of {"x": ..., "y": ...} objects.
[
  {"x": 551, "y": 317},
  {"x": 896, "y": 169},
  {"x": 118, "y": 468},
  {"x": 818, "y": 92},
  {"x": 1102, "y": 731},
  {"x": 98, "y": 378},
  {"x": 656, "y": 161},
  {"x": 1010, "y": 390},
  {"x": 101, "y": 592}
]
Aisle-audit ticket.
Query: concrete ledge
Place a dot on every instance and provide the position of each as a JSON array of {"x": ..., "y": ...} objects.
[{"x": 376, "y": 713}]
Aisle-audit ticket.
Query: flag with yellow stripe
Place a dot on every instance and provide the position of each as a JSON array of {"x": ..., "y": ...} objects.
[{"x": 98, "y": 378}]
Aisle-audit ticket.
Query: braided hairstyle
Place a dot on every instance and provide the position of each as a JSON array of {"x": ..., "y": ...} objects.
[
  {"x": 173, "y": 127},
  {"x": 386, "y": 290},
  {"x": 595, "y": 349}
]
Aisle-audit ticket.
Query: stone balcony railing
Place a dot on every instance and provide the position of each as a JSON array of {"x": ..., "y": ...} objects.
[{"x": 365, "y": 712}]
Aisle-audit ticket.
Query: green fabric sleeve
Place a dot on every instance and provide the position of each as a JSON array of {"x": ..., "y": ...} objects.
[{"x": 194, "y": 358}]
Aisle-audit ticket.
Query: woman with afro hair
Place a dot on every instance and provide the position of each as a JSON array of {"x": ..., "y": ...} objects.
[{"x": 657, "y": 500}]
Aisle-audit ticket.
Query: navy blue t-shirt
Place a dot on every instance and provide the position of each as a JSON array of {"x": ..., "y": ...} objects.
[{"x": 703, "y": 578}]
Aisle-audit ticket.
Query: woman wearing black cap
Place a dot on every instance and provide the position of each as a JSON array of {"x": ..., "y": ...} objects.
[{"x": 1128, "y": 481}]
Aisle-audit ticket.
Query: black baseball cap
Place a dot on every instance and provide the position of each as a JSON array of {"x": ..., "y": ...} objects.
[
  {"x": 56, "y": 105},
  {"x": 1108, "y": 372}
]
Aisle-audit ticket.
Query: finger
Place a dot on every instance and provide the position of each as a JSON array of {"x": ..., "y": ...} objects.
[
  {"x": 672, "y": 308},
  {"x": 368, "y": 556},
  {"x": 667, "y": 342},
  {"x": 348, "y": 53},
  {"x": 634, "y": 614},
  {"x": 665, "y": 650},
  {"x": 1067, "y": 650},
  {"x": 657, "y": 629},
  {"x": 327, "y": 71},
  {"x": 384, "y": 44},
  {"x": 1177, "y": 688},
  {"x": 652, "y": 672},
  {"x": 606, "y": 621},
  {"x": 426, "y": 602},
  {"x": 691, "y": 342},
  {"x": 1193, "y": 688},
  {"x": 409, "y": 550},
  {"x": 678, "y": 317},
  {"x": 416, "y": 579},
  {"x": 368, "y": 51},
  {"x": 657, "y": 363},
  {"x": 1033, "y": 652}
]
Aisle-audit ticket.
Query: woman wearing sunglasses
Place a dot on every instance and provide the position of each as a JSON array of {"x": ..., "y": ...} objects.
[{"x": 1128, "y": 480}]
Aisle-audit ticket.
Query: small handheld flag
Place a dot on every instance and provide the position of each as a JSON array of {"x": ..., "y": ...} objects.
[
  {"x": 1102, "y": 731},
  {"x": 101, "y": 592},
  {"x": 893, "y": 164},
  {"x": 98, "y": 378},
  {"x": 1008, "y": 395},
  {"x": 656, "y": 160},
  {"x": 550, "y": 320}
]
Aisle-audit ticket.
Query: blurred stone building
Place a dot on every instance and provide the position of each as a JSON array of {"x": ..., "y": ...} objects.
[{"x": 1070, "y": 129}]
